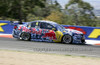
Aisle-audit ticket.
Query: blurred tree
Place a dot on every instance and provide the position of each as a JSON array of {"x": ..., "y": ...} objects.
[
  {"x": 47, "y": 10},
  {"x": 57, "y": 17},
  {"x": 3, "y": 8},
  {"x": 19, "y": 9},
  {"x": 54, "y": 6},
  {"x": 81, "y": 13}
]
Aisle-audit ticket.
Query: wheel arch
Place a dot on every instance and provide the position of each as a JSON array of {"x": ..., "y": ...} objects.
[
  {"x": 25, "y": 32},
  {"x": 66, "y": 34}
]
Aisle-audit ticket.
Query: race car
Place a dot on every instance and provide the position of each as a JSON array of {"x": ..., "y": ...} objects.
[{"x": 49, "y": 31}]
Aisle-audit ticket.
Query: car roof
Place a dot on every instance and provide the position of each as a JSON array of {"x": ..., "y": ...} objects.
[{"x": 51, "y": 22}]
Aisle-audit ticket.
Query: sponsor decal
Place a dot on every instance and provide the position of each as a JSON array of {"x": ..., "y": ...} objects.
[
  {"x": 91, "y": 33},
  {"x": 59, "y": 36},
  {"x": 95, "y": 33},
  {"x": 76, "y": 28},
  {"x": 2, "y": 24},
  {"x": 25, "y": 29},
  {"x": 37, "y": 31},
  {"x": 51, "y": 34},
  {"x": 44, "y": 33}
]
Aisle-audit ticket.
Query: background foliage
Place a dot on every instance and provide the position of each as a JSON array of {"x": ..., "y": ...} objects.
[{"x": 76, "y": 12}]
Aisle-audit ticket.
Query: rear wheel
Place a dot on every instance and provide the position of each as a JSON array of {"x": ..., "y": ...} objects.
[
  {"x": 67, "y": 39},
  {"x": 25, "y": 36}
]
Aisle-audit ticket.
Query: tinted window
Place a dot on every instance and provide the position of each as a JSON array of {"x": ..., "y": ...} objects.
[
  {"x": 29, "y": 25},
  {"x": 45, "y": 25},
  {"x": 33, "y": 24},
  {"x": 26, "y": 24},
  {"x": 60, "y": 28}
]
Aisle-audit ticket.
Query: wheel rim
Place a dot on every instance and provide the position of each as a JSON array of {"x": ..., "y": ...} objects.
[
  {"x": 25, "y": 36},
  {"x": 67, "y": 39}
]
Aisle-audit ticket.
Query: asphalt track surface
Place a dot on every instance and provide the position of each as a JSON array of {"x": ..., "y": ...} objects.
[{"x": 45, "y": 47}]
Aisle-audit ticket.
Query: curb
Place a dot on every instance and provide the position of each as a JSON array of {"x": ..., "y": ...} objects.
[
  {"x": 6, "y": 35},
  {"x": 97, "y": 44},
  {"x": 93, "y": 42}
]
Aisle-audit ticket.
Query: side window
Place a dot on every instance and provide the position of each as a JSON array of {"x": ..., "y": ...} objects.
[
  {"x": 33, "y": 24},
  {"x": 42, "y": 25},
  {"x": 45, "y": 25},
  {"x": 28, "y": 25},
  {"x": 60, "y": 28},
  {"x": 49, "y": 26}
]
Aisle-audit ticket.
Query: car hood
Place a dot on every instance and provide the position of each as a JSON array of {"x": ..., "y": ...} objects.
[{"x": 73, "y": 31}]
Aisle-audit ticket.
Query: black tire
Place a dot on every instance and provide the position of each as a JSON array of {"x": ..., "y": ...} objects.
[
  {"x": 25, "y": 36},
  {"x": 83, "y": 41},
  {"x": 67, "y": 39}
]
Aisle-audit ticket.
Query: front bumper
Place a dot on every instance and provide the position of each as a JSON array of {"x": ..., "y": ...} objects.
[
  {"x": 78, "y": 38},
  {"x": 16, "y": 34}
]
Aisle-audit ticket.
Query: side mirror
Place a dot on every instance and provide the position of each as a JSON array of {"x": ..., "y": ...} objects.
[{"x": 54, "y": 29}]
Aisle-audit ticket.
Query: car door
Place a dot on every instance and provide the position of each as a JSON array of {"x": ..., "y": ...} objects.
[
  {"x": 48, "y": 33},
  {"x": 33, "y": 30},
  {"x": 36, "y": 32},
  {"x": 59, "y": 33}
]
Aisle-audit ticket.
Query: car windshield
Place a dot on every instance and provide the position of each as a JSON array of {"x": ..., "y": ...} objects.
[{"x": 60, "y": 27}]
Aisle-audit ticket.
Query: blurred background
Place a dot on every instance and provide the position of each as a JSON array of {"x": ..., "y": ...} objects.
[{"x": 67, "y": 12}]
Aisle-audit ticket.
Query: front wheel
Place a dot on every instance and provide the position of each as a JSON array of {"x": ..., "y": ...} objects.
[
  {"x": 25, "y": 36},
  {"x": 67, "y": 39}
]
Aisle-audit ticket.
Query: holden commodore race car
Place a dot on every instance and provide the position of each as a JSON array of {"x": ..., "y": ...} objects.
[{"x": 41, "y": 30}]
